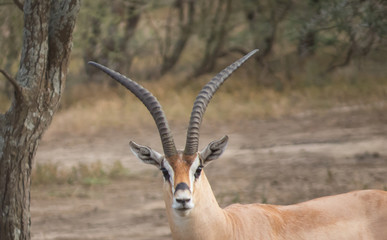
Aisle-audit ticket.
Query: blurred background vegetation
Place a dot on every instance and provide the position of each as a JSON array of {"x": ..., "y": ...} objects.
[{"x": 313, "y": 54}]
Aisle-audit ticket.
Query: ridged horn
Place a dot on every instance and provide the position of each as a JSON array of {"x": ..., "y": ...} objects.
[
  {"x": 151, "y": 103},
  {"x": 202, "y": 100}
]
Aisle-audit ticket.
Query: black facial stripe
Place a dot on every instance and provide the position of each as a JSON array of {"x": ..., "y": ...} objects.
[
  {"x": 165, "y": 173},
  {"x": 181, "y": 186},
  {"x": 198, "y": 172}
]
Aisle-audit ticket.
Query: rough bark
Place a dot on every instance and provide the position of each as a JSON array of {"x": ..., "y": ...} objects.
[{"x": 47, "y": 35}]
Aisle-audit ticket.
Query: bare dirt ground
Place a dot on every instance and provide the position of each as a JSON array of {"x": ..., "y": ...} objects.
[{"x": 281, "y": 161}]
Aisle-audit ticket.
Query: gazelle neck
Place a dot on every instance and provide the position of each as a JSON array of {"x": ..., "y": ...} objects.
[{"x": 205, "y": 218}]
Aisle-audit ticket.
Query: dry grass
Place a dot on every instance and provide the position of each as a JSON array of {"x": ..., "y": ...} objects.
[
  {"x": 89, "y": 109},
  {"x": 93, "y": 174}
]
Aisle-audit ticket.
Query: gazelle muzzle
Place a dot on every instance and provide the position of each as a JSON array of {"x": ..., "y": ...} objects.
[{"x": 182, "y": 198}]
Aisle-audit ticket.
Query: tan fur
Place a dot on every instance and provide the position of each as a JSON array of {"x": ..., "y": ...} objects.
[
  {"x": 354, "y": 215},
  {"x": 180, "y": 168}
]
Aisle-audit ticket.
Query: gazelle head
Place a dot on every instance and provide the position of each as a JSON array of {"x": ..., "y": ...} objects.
[{"x": 182, "y": 170}]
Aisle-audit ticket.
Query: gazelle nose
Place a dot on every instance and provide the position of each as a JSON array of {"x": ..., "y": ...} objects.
[
  {"x": 183, "y": 200},
  {"x": 181, "y": 186},
  {"x": 182, "y": 193}
]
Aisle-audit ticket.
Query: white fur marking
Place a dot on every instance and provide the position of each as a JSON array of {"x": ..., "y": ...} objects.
[
  {"x": 171, "y": 174},
  {"x": 192, "y": 170}
]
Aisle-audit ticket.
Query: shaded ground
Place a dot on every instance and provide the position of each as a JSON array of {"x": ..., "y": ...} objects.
[{"x": 279, "y": 162}]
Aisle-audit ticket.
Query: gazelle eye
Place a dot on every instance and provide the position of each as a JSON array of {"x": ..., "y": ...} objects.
[
  {"x": 198, "y": 172},
  {"x": 165, "y": 173}
]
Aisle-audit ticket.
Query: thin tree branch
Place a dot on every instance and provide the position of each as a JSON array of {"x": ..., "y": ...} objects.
[
  {"x": 12, "y": 81},
  {"x": 347, "y": 60},
  {"x": 16, "y": 2},
  {"x": 19, "y": 4}
]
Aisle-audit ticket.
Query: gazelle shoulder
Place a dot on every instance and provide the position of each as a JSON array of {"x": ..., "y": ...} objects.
[{"x": 255, "y": 211}]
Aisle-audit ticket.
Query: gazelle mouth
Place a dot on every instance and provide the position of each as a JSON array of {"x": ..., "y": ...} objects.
[{"x": 183, "y": 209}]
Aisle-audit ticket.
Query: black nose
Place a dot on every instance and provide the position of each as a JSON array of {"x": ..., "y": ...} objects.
[
  {"x": 183, "y": 200},
  {"x": 181, "y": 186}
]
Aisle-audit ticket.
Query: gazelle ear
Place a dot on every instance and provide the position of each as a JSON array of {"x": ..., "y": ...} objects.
[
  {"x": 213, "y": 150},
  {"x": 146, "y": 154}
]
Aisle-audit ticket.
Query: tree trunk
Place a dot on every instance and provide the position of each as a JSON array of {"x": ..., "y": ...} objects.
[
  {"x": 186, "y": 25},
  {"x": 215, "y": 40},
  {"x": 47, "y": 35},
  {"x": 116, "y": 41}
]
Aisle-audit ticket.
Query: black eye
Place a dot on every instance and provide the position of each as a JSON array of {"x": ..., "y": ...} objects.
[
  {"x": 165, "y": 173},
  {"x": 198, "y": 171}
]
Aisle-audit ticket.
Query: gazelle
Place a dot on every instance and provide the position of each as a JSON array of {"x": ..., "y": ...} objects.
[{"x": 193, "y": 212}]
